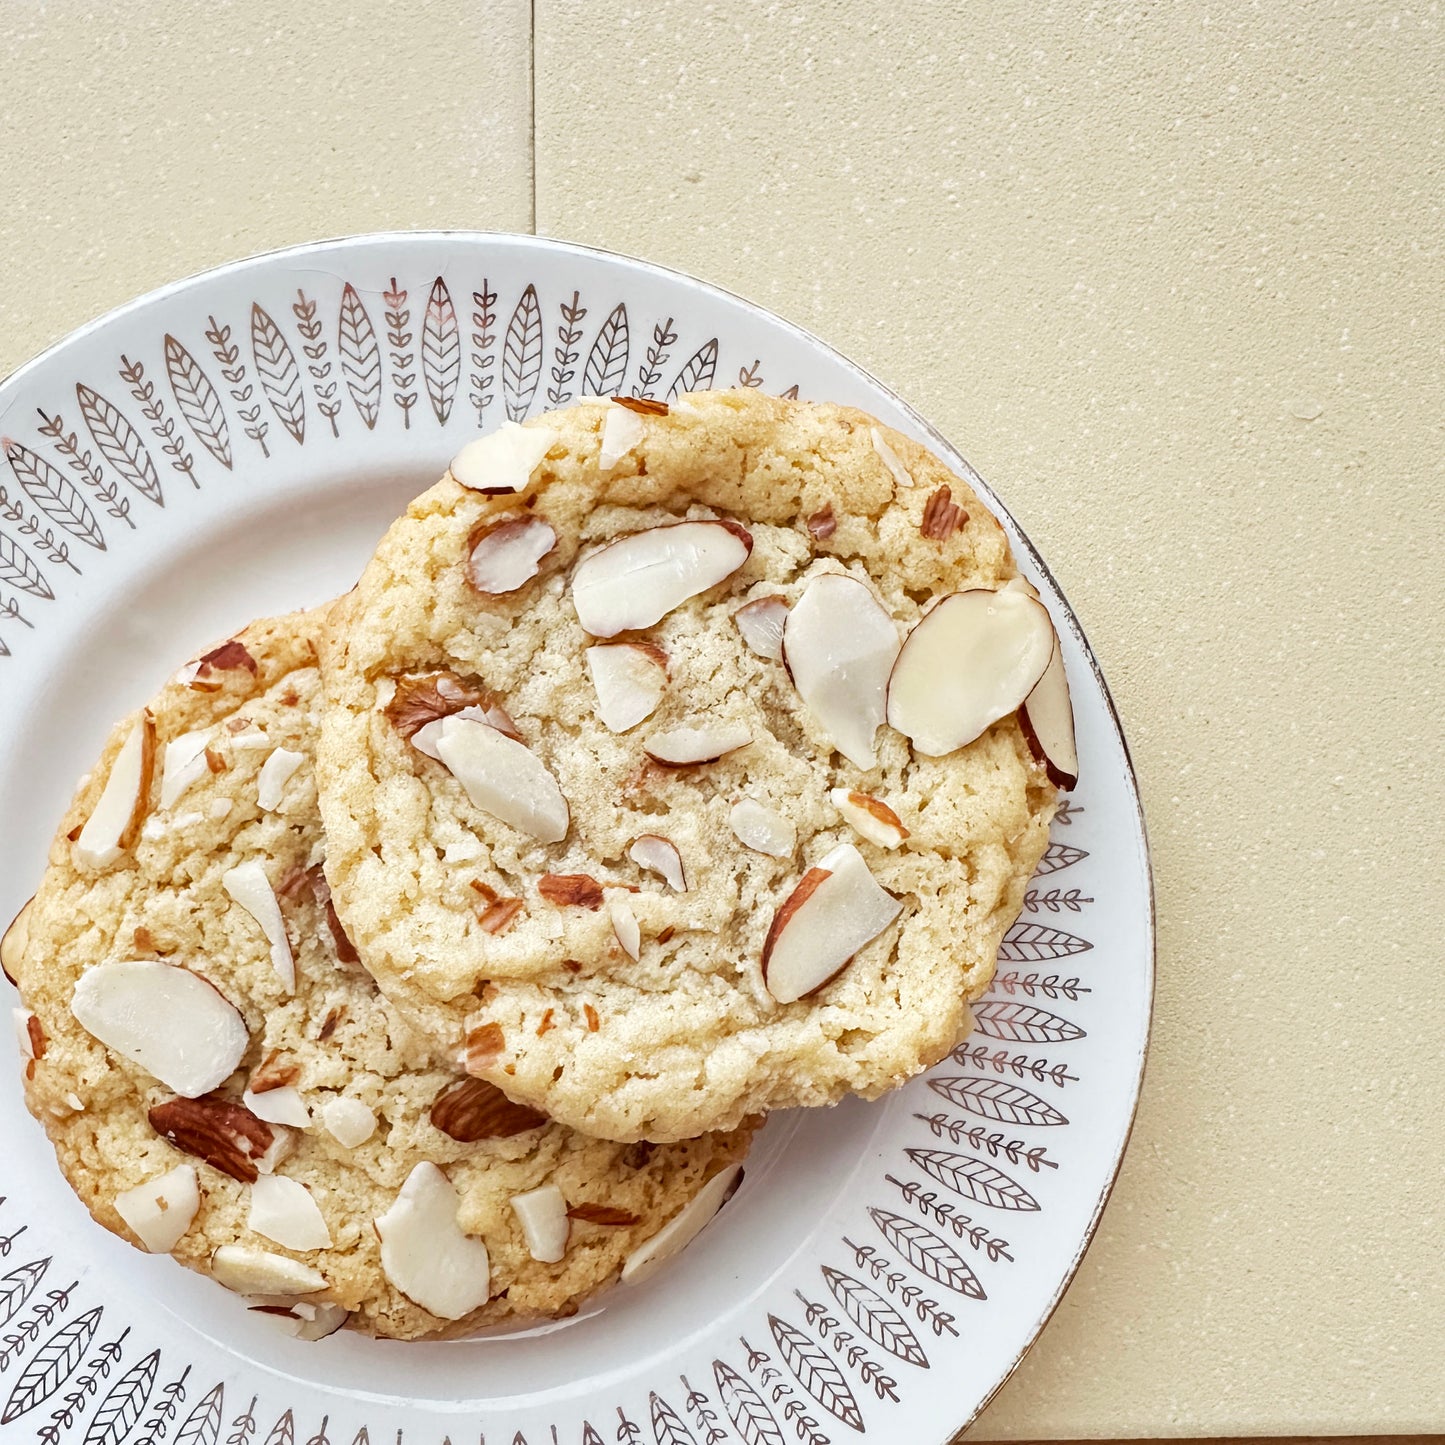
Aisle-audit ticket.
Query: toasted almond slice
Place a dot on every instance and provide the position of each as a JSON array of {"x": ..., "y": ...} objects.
[
  {"x": 970, "y": 661},
  {"x": 1047, "y": 719},
  {"x": 571, "y": 890},
  {"x": 120, "y": 810},
  {"x": 183, "y": 764},
  {"x": 171, "y": 1022},
  {"x": 503, "y": 460},
  {"x": 161, "y": 1210},
  {"x": 283, "y": 1210},
  {"x": 279, "y": 1106},
  {"x": 305, "y": 1319},
  {"x": 472, "y": 1109},
  {"x": 248, "y": 885},
  {"x": 660, "y": 856},
  {"x": 621, "y": 431},
  {"x": 760, "y": 828},
  {"x": 250, "y": 1271},
  {"x": 638, "y": 579},
  {"x": 629, "y": 679},
  {"x": 871, "y": 817},
  {"x": 624, "y": 925},
  {"x": 26, "y": 1028},
  {"x": 350, "y": 1122},
  {"x": 890, "y": 458},
  {"x": 683, "y": 1227},
  {"x": 276, "y": 772},
  {"x": 839, "y": 644},
  {"x": 506, "y": 555},
  {"x": 424, "y": 1252},
  {"x": 417, "y": 700},
  {"x": 685, "y": 746},
  {"x": 504, "y": 778},
  {"x": 14, "y": 944},
  {"x": 761, "y": 624},
  {"x": 836, "y": 908},
  {"x": 542, "y": 1213},
  {"x": 227, "y": 1135}
]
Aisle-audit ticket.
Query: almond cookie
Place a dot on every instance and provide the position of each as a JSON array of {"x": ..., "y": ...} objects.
[
  {"x": 674, "y": 759},
  {"x": 221, "y": 1081}
]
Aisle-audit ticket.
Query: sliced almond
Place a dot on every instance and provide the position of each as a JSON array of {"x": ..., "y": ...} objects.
[
  {"x": 346, "y": 954},
  {"x": 890, "y": 458},
  {"x": 417, "y": 701},
  {"x": 621, "y": 431},
  {"x": 160, "y": 1211},
  {"x": 625, "y": 927},
  {"x": 275, "y": 1071},
  {"x": 276, "y": 772},
  {"x": 485, "y": 1044},
  {"x": 942, "y": 516},
  {"x": 280, "y": 1106},
  {"x": 871, "y": 817},
  {"x": 251, "y": 1271},
  {"x": 424, "y": 1252},
  {"x": 504, "y": 460},
  {"x": 686, "y": 746},
  {"x": 638, "y": 579},
  {"x": 120, "y": 810},
  {"x": 472, "y": 1109},
  {"x": 683, "y": 1227},
  {"x": 607, "y": 1215},
  {"x": 571, "y": 890},
  {"x": 823, "y": 523},
  {"x": 760, "y": 828},
  {"x": 183, "y": 764},
  {"x": 248, "y": 885},
  {"x": 230, "y": 656},
  {"x": 171, "y": 1022},
  {"x": 501, "y": 915},
  {"x": 283, "y": 1210},
  {"x": 350, "y": 1122},
  {"x": 504, "y": 778},
  {"x": 227, "y": 1135},
  {"x": 305, "y": 1319},
  {"x": 27, "y": 1026},
  {"x": 1047, "y": 719},
  {"x": 14, "y": 944},
  {"x": 836, "y": 908},
  {"x": 970, "y": 661},
  {"x": 506, "y": 555},
  {"x": 629, "y": 679},
  {"x": 839, "y": 644},
  {"x": 761, "y": 624},
  {"x": 542, "y": 1213},
  {"x": 660, "y": 856}
]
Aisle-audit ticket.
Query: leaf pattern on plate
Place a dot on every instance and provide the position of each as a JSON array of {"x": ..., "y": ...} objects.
[
  {"x": 927, "y": 1253},
  {"x": 522, "y": 355},
  {"x": 745, "y": 1407},
  {"x": 318, "y": 366},
  {"x": 974, "y": 1179},
  {"x": 360, "y": 356},
  {"x": 996, "y": 1099},
  {"x": 816, "y": 1372},
  {"x": 18, "y": 570},
  {"x": 81, "y": 460},
  {"x": 54, "y": 494},
  {"x": 197, "y": 400},
  {"x": 121, "y": 1408},
  {"x": 667, "y": 1426},
  {"x": 441, "y": 351},
  {"x": 606, "y": 368},
  {"x": 569, "y": 333},
  {"x": 17, "y": 1287},
  {"x": 51, "y": 1365},
  {"x": 698, "y": 372},
  {"x": 398, "y": 317},
  {"x": 119, "y": 442},
  {"x": 663, "y": 337},
  {"x": 484, "y": 338},
  {"x": 203, "y": 1425},
  {"x": 1023, "y": 1023},
  {"x": 280, "y": 376},
  {"x": 1037, "y": 943},
  {"x": 878, "y": 1319},
  {"x": 1057, "y": 857}
]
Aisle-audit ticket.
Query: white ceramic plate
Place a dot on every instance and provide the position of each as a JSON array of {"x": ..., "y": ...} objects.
[{"x": 233, "y": 446}]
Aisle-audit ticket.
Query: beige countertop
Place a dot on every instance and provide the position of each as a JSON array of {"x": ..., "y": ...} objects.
[{"x": 1171, "y": 277}]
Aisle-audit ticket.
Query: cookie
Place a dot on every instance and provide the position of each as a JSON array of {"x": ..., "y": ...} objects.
[
  {"x": 222, "y": 1081},
  {"x": 584, "y": 816}
]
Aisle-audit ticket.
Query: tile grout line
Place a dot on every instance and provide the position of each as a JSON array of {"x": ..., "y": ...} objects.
[{"x": 532, "y": 107}]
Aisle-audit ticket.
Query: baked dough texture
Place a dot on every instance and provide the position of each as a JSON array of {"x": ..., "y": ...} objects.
[
  {"x": 336, "y": 1036},
  {"x": 686, "y": 1038}
]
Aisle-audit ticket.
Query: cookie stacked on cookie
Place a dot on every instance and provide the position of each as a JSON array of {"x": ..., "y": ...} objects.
[{"x": 430, "y": 961}]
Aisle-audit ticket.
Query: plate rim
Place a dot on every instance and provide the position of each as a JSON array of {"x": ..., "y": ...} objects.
[{"x": 940, "y": 443}]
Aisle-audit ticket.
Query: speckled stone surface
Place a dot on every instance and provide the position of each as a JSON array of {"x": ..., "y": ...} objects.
[
  {"x": 1171, "y": 278},
  {"x": 160, "y": 139}
]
